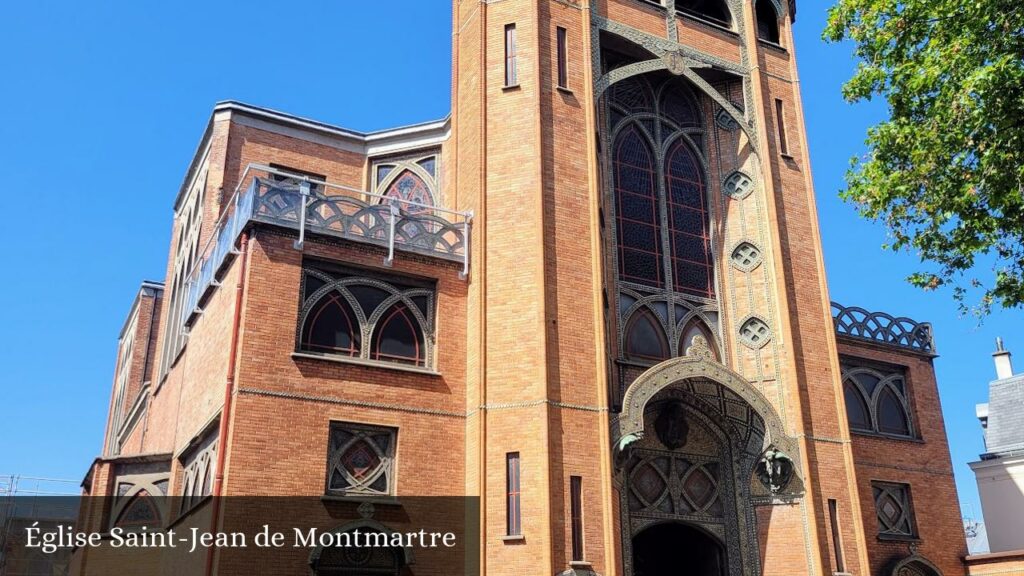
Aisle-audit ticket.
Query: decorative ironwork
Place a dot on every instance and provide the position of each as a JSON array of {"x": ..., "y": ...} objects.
[
  {"x": 424, "y": 232},
  {"x": 396, "y": 224},
  {"x": 883, "y": 328}
]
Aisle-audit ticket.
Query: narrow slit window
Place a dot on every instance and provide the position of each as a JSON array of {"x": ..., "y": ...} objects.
[
  {"x": 780, "y": 122},
  {"x": 576, "y": 516},
  {"x": 563, "y": 64},
  {"x": 511, "y": 76},
  {"x": 837, "y": 539},
  {"x": 514, "y": 526}
]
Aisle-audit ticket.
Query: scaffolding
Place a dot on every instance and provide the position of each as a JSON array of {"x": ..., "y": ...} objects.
[{"x": 32, "y": 497}]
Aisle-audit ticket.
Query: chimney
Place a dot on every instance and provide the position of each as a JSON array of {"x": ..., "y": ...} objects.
[{"x": 1004, "y": 369}]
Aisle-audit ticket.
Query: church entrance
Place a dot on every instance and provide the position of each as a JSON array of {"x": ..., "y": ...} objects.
[{"x": 677, "y": 549}]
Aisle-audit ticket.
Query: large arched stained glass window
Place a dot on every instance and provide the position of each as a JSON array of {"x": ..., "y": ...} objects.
[
  {"x": 688, "y": 222},
  {"x": 637, "y": 213}
]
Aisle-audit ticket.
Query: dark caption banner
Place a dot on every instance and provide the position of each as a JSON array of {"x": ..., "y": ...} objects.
[{"x": 148, "y": 535}]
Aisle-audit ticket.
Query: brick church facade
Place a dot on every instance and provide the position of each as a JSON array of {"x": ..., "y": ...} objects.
[{"x": 594, "y": 296}]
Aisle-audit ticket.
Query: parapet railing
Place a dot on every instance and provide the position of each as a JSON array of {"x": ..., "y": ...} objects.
[
  {"x": 883, "y": 328},
  {"x": 272, "y": 196}
]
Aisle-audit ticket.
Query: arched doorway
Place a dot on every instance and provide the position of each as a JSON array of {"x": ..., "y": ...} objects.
[
  {"x": 696, "y": 449},
  {"x": 677, "y": 548}
]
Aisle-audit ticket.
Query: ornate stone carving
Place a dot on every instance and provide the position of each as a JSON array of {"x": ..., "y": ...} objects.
[
  {"x": 755, "y": 332},
  {"x": 746, "y": 256},
  {"x": 738, "y": 185},
  {"x": 699, "y": 348}
]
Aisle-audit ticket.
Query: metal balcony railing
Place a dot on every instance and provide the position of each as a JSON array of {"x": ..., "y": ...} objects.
[
  {"x": 883, "y": 328},
  {"x": 271, "y": 196}
]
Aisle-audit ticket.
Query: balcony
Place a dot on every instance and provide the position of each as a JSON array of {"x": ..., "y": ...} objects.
[
  {"x": 310, "y": 207},
  {"x": 882, "y": 328}
]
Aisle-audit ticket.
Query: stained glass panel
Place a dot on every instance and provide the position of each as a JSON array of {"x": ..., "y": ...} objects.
[{"x": 638, "y": 217}]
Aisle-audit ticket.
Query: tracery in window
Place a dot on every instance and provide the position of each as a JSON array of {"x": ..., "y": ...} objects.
[
  {"x": 767, "y": 21},
  {"x": 690, "y": 242},
  {"x": 697, "y": 327},
  {"x": 199, "y": 466},
  {"x": 188, "y": 221},
  {"x": 645, "y": 339},
  {"x": 138, "y": 500},
  {"x": 657, "y": 191},
  {"x": 713, "y": 10},
  {"x": 876, "y": 401},
  {"x": 342, "y": 309},
  {"x": 408, "y": 187},
  {"x": 398, "y": 337},
  {"x": 638, "y": 214},
  {"x": 893, "y": 509},
  {"x": 332, "y": 327},
  {"x": 360, "y": 460}
]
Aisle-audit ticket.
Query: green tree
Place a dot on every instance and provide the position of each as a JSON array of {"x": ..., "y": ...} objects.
[{"x": 945, "y": 172}]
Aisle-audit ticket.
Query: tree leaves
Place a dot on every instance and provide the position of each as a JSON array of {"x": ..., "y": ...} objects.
[{"x": 945, "y": 172}]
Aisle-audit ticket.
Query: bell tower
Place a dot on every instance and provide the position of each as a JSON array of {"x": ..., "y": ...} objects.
[
  {"x": 525, "y": 160},
  {"x": 643, "y": 205}
]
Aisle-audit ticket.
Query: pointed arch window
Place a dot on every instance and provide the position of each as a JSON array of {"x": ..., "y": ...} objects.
[
  {"x": 877, "y": 402},
  {"x": 689, "y": 240},
  {"x": 332, "y": 327},
  {"x": 638, "y": 216},
  {"x": 660, "y": 189},
  {"x": 350, "y": 313},
  {"x": 409, "y": 187},
  {"x": 399, "y": 338},
  {"x": 697, "y": 327},
  {"x": 645, "y": 338},
  {"x": 767, "y": 21}
]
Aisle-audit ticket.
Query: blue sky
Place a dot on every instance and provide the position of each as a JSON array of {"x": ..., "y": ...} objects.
[{"x": 104, "y": 102}]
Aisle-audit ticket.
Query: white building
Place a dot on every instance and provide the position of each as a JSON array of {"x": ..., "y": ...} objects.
[{"x": 1000, "y": 471}]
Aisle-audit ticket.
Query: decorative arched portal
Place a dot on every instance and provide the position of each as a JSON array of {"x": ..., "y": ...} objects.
[{"x": 695, "y": 444}]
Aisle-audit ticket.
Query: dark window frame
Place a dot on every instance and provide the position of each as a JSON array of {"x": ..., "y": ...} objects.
[
  {"x": 576, "y": 517},
  {"x": 513, "y": 495},
  {"x": 387, "y": 458},
  {"x": 414, "y": 299},
  {"x": 511, "y": 57},
  {"x": 899, "y": 492},
  {"x": 766, "y": 16},
  {"x": 890, "y": 378},
  {"x": 780, "y": 124},
  {"x": 562, "y": 57}
]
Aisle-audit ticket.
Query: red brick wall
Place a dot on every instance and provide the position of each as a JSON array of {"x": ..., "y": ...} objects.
[{"x": 923, "y": 463}]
